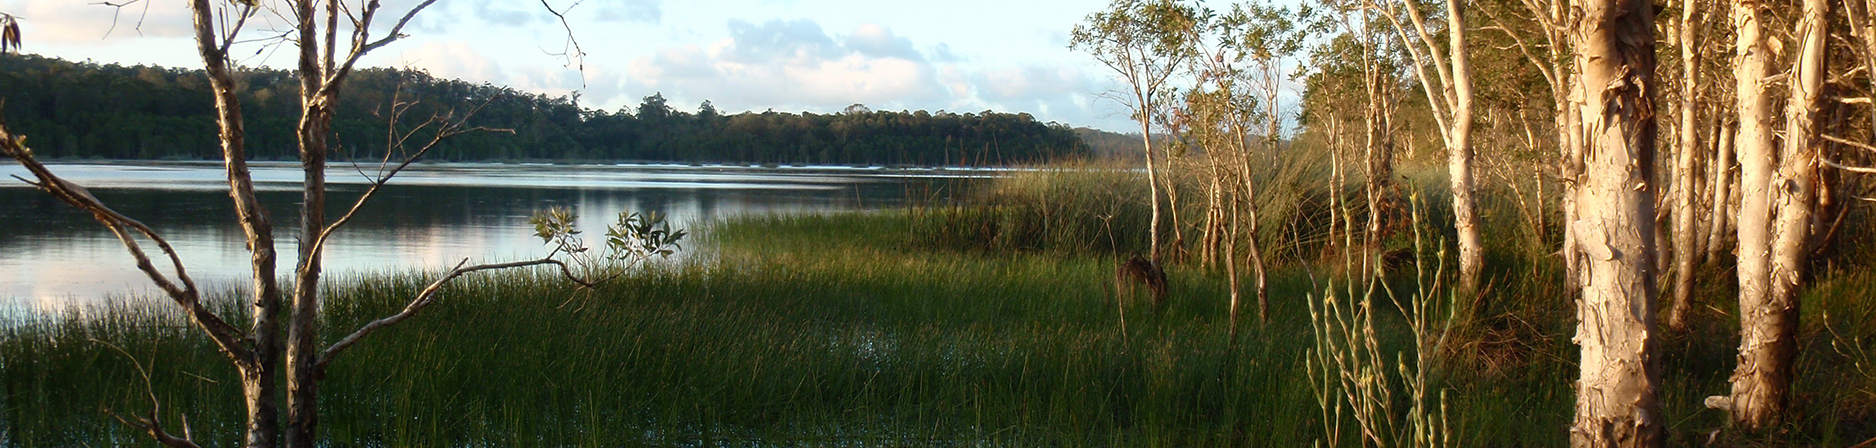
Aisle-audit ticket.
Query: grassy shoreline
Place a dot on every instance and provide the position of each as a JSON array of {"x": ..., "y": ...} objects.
[{"x": 860, "y": 329}]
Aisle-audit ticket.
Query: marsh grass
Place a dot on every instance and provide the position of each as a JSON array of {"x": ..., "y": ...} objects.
[
  {"x": 803, "y": 330},
  {"x": 906, "y": 328}
]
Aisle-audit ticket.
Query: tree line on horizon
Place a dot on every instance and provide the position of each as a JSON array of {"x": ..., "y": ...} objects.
[{"x": 86, "y": 110}]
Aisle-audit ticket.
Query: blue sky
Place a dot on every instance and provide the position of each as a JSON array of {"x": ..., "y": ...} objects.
[{"x": 786, "y": 55}]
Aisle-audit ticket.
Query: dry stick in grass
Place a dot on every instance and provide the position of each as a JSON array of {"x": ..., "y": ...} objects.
[{"x": 153, "y": 424}]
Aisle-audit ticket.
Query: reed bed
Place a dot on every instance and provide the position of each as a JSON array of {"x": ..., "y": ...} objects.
[
  {"x": 787, "y": 335},
  {"x": 901, "y": 328}
]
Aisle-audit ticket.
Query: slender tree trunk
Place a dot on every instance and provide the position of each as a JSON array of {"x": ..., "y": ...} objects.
[
  {"x": 1250, "y": 235},
  {"x": 1231, "y": 264},
  {"x": 303, "y": 333},
  {"x": 1616, "y": 404},
  {"x": 1685, "y": 235},
  {"x": 1214, "y": 214},
  {"x": 1769, "y": 323},
  {"x": 259, "y": 385},
  {"x": 1757, "y": 393},
  {"x": 1722, "y": 191},
  {"x": 1570, "y": 168},
  {"x": 1459, "y": 156},
  {"x": 1152, "y": 182},
  {"x": 1177, "y": 251},
  {"x": 1379, "y": 167}
]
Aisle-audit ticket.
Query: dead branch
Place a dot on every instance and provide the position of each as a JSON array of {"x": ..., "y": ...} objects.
[
  {"x": 152, "y": 424},
  {"x": 1851, "y": 143},
  {"x": 428, "y": 297},
  {"x": 571, "y": 49},
  {"x": 446, "y": 128},
  {"x": 227, "y": 337}
]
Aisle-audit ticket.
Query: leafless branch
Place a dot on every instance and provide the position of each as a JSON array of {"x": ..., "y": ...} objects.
[
  {"x": 152, "y": 424},
  {"x": 360, "y": 36},
  {"x": 1853, "y": 169},
  {"x": 570, "y": 50},
  {"x": 120, "y": 9},
  {"x": 1851, "y": 143},
  {"x": 446, "y": 127},
  {"x": 229, "y": 339},
  {"x": 229, "y": 33},
  {"x": 428, "y": 297}
]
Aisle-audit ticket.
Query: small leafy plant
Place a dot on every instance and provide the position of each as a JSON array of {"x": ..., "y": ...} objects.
[{"x": 633, "y": 239}]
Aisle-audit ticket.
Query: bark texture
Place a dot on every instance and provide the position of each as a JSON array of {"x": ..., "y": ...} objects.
[
  {"x": 1616, "y": 404},
  {"x": 259, "y": 385},
  {"x": 1446, "y": 79},
  {"x": 1722, "y": 190},
  {"x": 1769, "y": 319},
  {"x": 1686, "y": 241}
]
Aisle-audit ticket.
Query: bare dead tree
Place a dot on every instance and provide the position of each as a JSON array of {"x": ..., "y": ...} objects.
[{"x": 324, "y": 64}]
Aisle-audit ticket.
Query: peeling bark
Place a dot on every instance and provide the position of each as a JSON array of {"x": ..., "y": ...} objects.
[
  {"x": 1685, "y": 234},
  {"x": 1616, "y": 404},
  {"x": 1769, "y": 314}
]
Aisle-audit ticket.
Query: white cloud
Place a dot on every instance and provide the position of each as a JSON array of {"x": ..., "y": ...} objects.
[
  {"x": 877, "y": 41},
  {"x": 789, "y": 64},
  {"x": 645, "y": 11},
  {"x": 459, "y": 60},
  {"x": 71, "y": 21},
  {"x": 1031, "y": 83}
]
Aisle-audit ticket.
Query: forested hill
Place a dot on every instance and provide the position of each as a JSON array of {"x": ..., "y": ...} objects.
[{"x": 86, "y": 110}]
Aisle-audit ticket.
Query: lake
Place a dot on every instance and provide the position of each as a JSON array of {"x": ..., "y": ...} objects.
[{"x": 52, "y": 256}]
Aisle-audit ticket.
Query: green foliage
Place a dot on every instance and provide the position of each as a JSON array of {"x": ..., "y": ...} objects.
[
  {"x": 643, "y": 236},
  {"x": 83, "y": 110}
]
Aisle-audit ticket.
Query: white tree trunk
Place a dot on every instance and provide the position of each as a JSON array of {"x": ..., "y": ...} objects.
[
  {"x": 1769, "y": 318},
  {"x": 1722, "y": 190},
  {"x": 1685, "y": 235},
  {"x": 1616, "y": 404},
  {"x": 1752, "y": 62},
  {"x": 259, "y": 382}
]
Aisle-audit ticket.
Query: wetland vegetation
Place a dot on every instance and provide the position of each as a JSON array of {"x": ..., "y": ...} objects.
[{"x": 965, "y": 324}]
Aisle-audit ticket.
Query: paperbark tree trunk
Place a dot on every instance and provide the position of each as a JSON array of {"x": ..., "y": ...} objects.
[
  {"x": 1753, "y": 391},
  {"x": 1379, "y": 164},
  {"x": 1446, "y": 79},
  {"x": 1722, "y": 190},
  {"x": 1152, "y": 182},
  {"x": 303, "y": 331},
  {"x": 1615, "y": 403},
  {"x": 1685, "y": 235},
  {"x": 1769, "y": 319},
  {"x": 259, "y": 383},
  {"x": 1459, "y": 162}
]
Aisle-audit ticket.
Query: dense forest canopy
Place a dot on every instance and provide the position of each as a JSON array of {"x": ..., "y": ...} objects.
[{"x": 79, "y": 110}]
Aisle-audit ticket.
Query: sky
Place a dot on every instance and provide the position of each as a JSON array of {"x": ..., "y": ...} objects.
[{"x": 742, "y": 55}]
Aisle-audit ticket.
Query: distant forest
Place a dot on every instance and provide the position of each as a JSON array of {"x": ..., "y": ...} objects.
[{"x": 83, "y": 110}]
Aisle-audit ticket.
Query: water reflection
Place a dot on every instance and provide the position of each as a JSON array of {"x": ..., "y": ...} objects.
[{"x": 53, "y": 256}]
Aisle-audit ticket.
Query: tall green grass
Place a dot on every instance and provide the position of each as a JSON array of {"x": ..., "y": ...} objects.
[
  {"x": 787, "y": 335},
  {"x": 873, "y": 329}
]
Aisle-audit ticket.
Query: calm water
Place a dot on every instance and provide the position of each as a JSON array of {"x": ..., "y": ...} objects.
[{"x": 52, "y": 256}]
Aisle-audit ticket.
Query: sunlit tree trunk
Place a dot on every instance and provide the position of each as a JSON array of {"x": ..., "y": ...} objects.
[
  {"x": 1769, "y": 318},
  {"x": 1152, "y": 181},
  {"x": 1616, "y": 404},
  {"x": 1751, "y": 400},
  {"x": 1685, "y": 235},
  {"x": 1723, "y": 185},
  {"x": 1446, "y": 79}
]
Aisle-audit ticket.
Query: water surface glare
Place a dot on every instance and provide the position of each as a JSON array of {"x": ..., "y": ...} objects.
[{"x": 431, "y": 216}]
